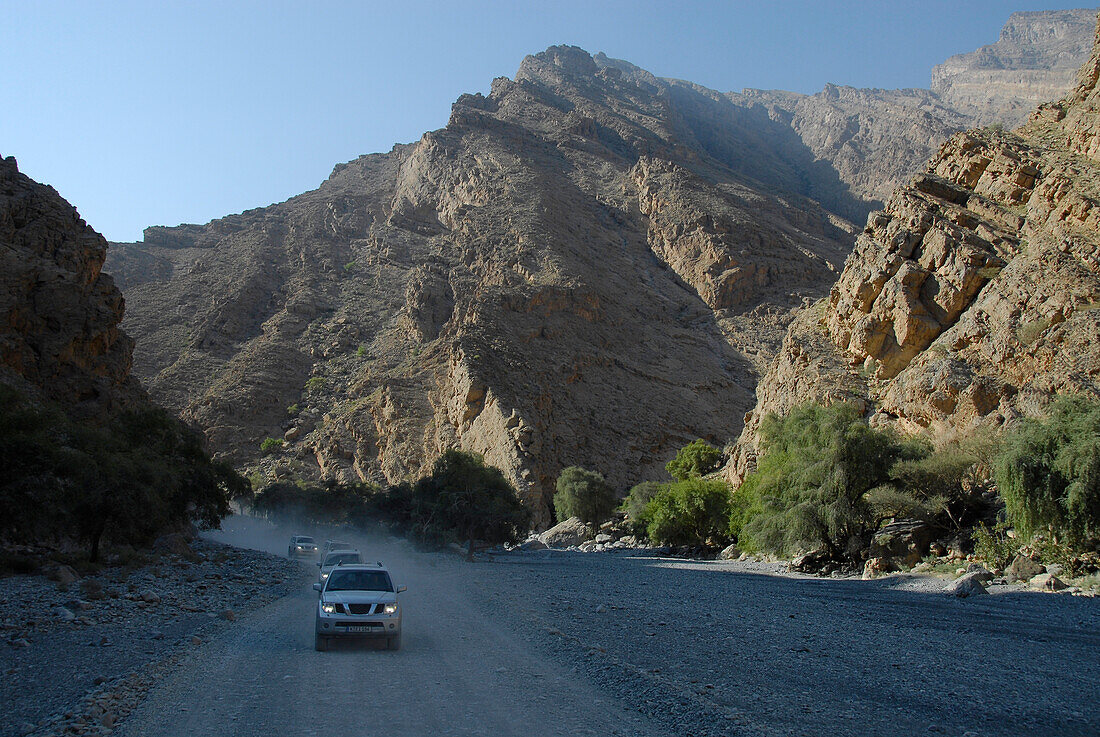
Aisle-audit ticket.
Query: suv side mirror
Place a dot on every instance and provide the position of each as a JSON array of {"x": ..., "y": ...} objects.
[
  {"x": 402, "y": 588},
  {"x": 317, "y": 587}
]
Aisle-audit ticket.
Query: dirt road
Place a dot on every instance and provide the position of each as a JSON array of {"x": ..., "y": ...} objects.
[{"x": 458, "y": 672}]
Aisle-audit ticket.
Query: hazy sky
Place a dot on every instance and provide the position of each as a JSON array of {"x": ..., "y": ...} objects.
[{"x": 156, "y": 112}]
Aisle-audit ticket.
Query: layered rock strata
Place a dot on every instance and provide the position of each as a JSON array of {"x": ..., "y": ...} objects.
[{"x": 1035, "y": 60}]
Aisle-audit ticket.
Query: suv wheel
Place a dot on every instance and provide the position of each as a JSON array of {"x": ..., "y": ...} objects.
[
  {"x": 394, "y": 642},
  {"x": 321, "y": 643}
]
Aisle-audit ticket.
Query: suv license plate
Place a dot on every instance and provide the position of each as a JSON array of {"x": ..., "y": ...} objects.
[{"x": 362, "y": 628}]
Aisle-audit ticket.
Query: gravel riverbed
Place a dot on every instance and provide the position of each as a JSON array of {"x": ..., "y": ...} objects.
[
  {"x": 738, "y": 648},
  {"x": 78, "y": 656}
]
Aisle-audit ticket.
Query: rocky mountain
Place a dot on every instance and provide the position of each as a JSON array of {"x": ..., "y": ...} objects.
[
  {"x": 587, "y": 266},
  {"x": 59, "y": 313},
  {"x": 1035, "y": 60},
  {"x": 974, "y": 297},
  {"x": 876, "y": 140},
  {"x": 590, "y": 266}
]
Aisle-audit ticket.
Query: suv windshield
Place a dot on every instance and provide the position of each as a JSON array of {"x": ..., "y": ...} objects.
[
  {"x": 305, "y": 539},
  {"x": 335, "y": 559},
  {"x": 359, "y": 581}
]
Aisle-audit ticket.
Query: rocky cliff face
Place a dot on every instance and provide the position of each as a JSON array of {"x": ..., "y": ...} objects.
[
  {"x": 876, "y": 140},
  {"x": 588, "y": 266},
  {"x": 1035, "y": 60},
  {"x": 974, "y": 297},
  {"x": 59, "y": 313}
]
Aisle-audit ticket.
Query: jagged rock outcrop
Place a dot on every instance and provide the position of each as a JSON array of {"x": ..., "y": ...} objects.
[
  {"x": 1035, "y": 60},
  {"x": 59, "y": 313},
  {"x": 974, "y": 297},
  {"x": 589, "y": 266}
]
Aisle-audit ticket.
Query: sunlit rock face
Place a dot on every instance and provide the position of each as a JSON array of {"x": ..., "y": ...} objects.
[
  {"x": 1035, "y": 60},
  {"x": 589, "y": 266},
  {"x": 973, "y": 298}
]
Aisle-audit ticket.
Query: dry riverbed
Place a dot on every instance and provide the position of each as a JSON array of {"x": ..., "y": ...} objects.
[{"x": 549, "y": 642}]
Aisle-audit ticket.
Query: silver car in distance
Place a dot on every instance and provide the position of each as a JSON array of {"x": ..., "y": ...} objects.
[{"x": 358, "y": 600}]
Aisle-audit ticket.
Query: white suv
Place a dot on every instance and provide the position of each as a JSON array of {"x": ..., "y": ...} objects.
[{"x": 358, "y": 600}]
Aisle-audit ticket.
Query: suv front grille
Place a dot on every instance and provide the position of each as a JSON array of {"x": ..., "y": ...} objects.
[{"x": 363, "y": 608}]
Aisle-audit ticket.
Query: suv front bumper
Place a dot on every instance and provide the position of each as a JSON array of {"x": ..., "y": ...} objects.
[{"x": 353, "y": 625}]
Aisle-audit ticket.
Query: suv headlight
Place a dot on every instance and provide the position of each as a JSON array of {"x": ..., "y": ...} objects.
[
  {"x": 391, "y": 608},
  {"x": 324, "y": 575},
  {"x": 328, "y": 607}
]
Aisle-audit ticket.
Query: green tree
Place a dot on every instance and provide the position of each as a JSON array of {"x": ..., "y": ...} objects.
[
  {"x": 1049, "y": 473},
  {"x": 695, "y": 459},
  {"x": 691, "y": 512},
  {"x": 585, "y": 494},
  {"x": 126, "y": 479},
  {"x": 808, "y": 489},
  {"x": 635, "y": 504},
  {"x": 472, "y": 499}
]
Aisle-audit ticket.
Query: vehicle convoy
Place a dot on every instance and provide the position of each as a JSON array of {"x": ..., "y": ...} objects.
[
  {"x": 358, "y": 600},
  {"x": 302, "y": 546},
  {"x": 336, "y": 558}
]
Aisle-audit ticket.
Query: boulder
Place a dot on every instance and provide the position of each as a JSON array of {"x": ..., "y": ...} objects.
[
  {"x": 811, "y": 562},
  {"x": 534, "y": 544},
  {"x": 565, "y": 534},
  {"x": 1047, "y": 582},
  {"x": 968, "y": 585},
  {"x": 730, "y": 552},
  {"x": 588, "y": 546},
  {"x": 877, "y": 566},
  {"x": 150, "y": 597},
  {"x": 980, "y": 572},
  {"x": 1023, "y": 568},
  {"x": 603, "y": 538},
  {"x": 63, "y": 574},
  {"x": 906, "y": 541}
]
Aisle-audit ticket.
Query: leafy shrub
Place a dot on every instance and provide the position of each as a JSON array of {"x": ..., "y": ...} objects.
[
  {"x": 315, "y": 383},
  {"x": 808, "y": 490},
  {"x": 634, "y": 505},
  {"x": 293, "y": 409},
  {"x": 1049, "y": 474},
  {"x": 691, "y": 512},
  {"x": 695, "y": 459},
  {"x": 585, "y": 494},
  {"x": 930, "y": 485},
  {"x": 270, "y": 445},
  {"x": 994, "y": 546}
]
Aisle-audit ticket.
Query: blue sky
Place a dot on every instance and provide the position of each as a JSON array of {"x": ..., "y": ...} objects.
[{"x": 156, "y": 112}]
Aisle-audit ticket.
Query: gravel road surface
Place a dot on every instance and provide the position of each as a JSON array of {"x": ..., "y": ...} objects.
[
  {"x": 561, "y": 643},
  {"x": 458, "y": 672}
]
